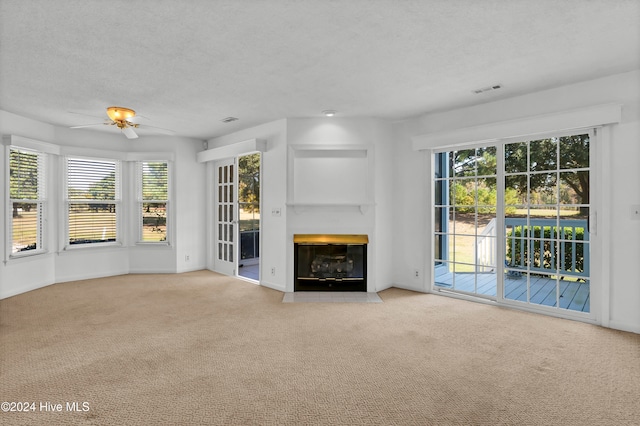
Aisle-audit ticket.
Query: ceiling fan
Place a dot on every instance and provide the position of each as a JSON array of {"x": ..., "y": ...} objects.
[{"x": 126, "y": 120}]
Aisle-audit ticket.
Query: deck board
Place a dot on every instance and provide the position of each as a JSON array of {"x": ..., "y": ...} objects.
[{"x": 574, "y": 295}]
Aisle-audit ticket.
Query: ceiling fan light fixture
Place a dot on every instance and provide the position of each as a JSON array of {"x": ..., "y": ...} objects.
[{"x": 120, "y": 114}]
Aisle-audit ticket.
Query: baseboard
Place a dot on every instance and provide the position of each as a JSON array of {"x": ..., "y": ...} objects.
[
  {"x": 90, "y": 276},
  {"x": 24, "y": 289},
  {"x": 633, "y": 328},
  {"x": 273, "y": 286},
  {"x": 152, "y": 271},
  {"x": 384, "y": 287},
  {"x": 410, "y": 287},
  {"x": 190, "y": 269}
]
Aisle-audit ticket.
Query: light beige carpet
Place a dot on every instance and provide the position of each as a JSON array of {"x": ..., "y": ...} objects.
[{"x": 200, "y": 348}]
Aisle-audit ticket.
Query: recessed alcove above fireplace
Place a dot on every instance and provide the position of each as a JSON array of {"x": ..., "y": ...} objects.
[
  {"x": 330, "y": 176},
  {"x": 330, "y": 262}
]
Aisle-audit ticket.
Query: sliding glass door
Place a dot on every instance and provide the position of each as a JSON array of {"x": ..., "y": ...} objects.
[
  {"x": 546, "y": 209},
  {"x": 465, "y": 225},
  {"x": 512, "y": 222}
]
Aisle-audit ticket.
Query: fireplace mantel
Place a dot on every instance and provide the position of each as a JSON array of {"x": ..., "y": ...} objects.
[
  {"x": 331, "y": 239},
  {"x": 302, "y": 207}
]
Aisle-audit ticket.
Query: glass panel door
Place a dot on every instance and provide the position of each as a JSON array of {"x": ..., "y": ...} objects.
[
  {"x": 465, "y": 221},
  {"x": 546, "y": 205},
  {"x": 225, "y": 218}
]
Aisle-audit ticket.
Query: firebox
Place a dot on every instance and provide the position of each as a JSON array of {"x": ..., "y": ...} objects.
[{"x": 333, "y": 262}]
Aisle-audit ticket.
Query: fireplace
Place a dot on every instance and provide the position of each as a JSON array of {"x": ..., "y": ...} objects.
[{"x": 333, "y": 262}]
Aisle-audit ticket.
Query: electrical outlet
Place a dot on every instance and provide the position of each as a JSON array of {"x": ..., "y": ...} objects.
[
  {"x": 416, "y": 273},
  {"x": 273, "y": 270},
  {"x": 276, "y": 212},
  {"x": 635, "y": 212},
  {"x": 186, "y": 257}
]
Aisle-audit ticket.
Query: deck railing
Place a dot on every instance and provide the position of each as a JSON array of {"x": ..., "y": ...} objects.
[
  {"x": 249, "y": 244},
  {"x": 486, "y": 248},
  {"x": 543, "y": 245}
]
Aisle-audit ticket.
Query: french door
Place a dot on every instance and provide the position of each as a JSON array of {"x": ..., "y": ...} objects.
[
  {"x": 225, "y": 217},
  {"x": 512, "y": 222}
]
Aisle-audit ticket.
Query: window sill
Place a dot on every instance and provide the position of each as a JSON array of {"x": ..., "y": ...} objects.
[
  {"x": 92, "y": 246},
  {"x": 26, "y": 257},
  {"x": 159, "y": 244}
]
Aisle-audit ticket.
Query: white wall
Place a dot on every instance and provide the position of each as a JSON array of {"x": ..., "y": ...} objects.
[
  {"x": 31, "y": 272},
  {"x": 621, "y": 283},
  {"x": 277, "y": 232}
]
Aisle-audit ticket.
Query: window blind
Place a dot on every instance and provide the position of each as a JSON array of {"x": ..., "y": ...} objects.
[
  {"x": 93, "y": 198},
  {"x": 27, "y": 195},
  {"x": 153, "y": 198},
  {"x": 154, "y": 181},
  {"x": 25, "y": 171}
]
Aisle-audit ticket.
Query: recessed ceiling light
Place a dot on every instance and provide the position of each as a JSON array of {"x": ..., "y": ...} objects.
[
  {"x": 329, "y": 112},
  {"x": 229, "y": 119}
]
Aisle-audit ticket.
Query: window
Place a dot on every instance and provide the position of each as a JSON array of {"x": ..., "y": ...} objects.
[
  {"x": 93, "y": 201},
  {"x": 153, "y": 200},
  {"x": 27, "y": 201}
]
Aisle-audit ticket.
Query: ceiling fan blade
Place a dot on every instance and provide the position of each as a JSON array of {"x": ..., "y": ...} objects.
[
  {"x": 87, "y": 125},
  {"x": 129, "y": 133},
  {"x": 137, "y": 119},
  {"x": 86, "y": 115},
  {"x": 156, "y": 129}
]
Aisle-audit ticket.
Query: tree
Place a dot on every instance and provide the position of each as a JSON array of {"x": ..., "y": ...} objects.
[
  {"x": 574, "y": 154},
  {"x": 474, "y": 162},
  {"x": 249, "y": 181},
  {"x": 104, "y": 189},
  {"x": 23, "y": 178},
  {"x": 565, "y": 153},
  {"x": 154, "y": 181}
]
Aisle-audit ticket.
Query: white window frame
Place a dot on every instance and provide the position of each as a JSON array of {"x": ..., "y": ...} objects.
[
  {"x": 140, "y": 201},
  {"x": 600, "y": 179},
  {"x": 599, "y": 118},
  {"x": 117, "y": 202},
  {"x": 41, "y": 202}
]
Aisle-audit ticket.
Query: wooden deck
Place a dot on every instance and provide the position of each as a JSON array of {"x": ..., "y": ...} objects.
[{"x": 574, "y": 295}]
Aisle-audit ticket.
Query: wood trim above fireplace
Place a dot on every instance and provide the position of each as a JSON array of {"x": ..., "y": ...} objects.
[{"x": 330, "y": 239}]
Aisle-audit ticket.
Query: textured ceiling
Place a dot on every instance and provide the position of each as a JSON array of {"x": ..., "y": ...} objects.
[{"x": 186, "y": 65}]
